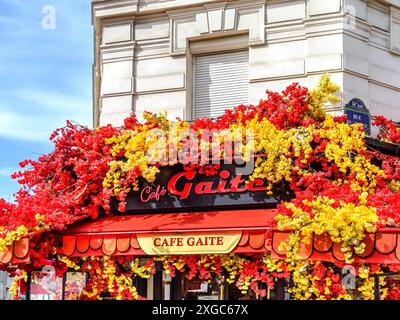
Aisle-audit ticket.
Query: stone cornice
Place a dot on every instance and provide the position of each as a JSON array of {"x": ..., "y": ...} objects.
[
  {"x": 113, "y": 8},
  {"x": 395, "y": 3}
]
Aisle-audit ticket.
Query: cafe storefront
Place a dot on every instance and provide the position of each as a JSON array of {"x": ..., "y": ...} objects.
[
  {"x": 310, "y": 211},
  {"x": 181, "y": 214},
  {"x": 214, "y": 235},
  {"x": 190, "y": 215}
]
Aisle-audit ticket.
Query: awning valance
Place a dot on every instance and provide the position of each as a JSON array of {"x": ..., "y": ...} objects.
[
  {"x": 16, "y": 253},
  {"x": 382, "y": 247}
]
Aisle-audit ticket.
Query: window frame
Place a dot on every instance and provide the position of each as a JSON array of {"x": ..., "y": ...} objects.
[{"x": 214, "y": 43}]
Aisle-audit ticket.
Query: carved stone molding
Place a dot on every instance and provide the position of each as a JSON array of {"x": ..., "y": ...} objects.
[
  {"x": 252, "y": 17},
  {"x": 183, "y": 25},
  {"x": 395, "y": 30},
  {"x": 108, "y": 9},
  {"x": 217, "y": 18},
  {"x": 393, "y": 2}
]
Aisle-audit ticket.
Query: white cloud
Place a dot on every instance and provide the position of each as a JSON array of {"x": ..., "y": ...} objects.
[
  {"x": 45, "y": 76},
  {"x": 7, "y": 171},
  {"x": 34, "y": 128},
  {"x": 22, "y": 127},
  {"x": 59, "y": 102},
  {"x": 41, "y": 114}
]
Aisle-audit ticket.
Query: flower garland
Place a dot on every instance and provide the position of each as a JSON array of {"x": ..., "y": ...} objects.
[
  {"x": 113, "y": 277},
  {"x": 19, "y": 284},
  {"x": 341, "y": 189},
  {"x": 389, "y": 131},
  {"x": 316, "y": 281}
]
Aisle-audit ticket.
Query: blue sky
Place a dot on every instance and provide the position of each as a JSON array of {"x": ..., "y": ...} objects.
[{"x": 45, "y": 78}]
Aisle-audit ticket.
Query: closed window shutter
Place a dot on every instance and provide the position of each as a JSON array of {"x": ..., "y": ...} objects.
[{"x": 221, "y": 81}]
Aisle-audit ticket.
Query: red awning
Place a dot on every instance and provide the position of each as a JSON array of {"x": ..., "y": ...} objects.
[
  {"x": 117, "y": 235},
  {"x": 182, "y": 222},
  {"x": 382, "y": 247},
  {"x": 16, "y": 253}
]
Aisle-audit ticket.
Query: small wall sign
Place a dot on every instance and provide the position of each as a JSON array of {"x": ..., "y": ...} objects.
[{"x": 357, "y": 112}]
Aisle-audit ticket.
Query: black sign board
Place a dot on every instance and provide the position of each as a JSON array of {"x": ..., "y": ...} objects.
[
  {"x": 178, "y": 190},
  {"x": 357, "y": 112}
]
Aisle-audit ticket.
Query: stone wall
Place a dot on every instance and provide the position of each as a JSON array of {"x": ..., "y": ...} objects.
[{"x": 144, "y": 50}]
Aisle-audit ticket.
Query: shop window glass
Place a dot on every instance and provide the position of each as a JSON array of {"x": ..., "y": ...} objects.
[
  {"x": 45, "y": 285},
  {"x": 75, "y": 283},
  {"x": 198, "y": 289},
  {"x": 391, "y": 282},
  {"x": 279, "y": 292}
]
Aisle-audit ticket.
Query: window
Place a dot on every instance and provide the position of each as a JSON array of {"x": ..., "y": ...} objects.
[
  {"x": 45, "y": 285},
  {"x": 74, "y": 285},
  {"x": 221, "y": 81},
  {"x": 197, "y": 289}
]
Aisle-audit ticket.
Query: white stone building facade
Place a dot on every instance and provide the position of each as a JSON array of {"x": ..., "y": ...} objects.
[
  {"x": 5, "y": 285},
  {"x": 194, "y": 58}
]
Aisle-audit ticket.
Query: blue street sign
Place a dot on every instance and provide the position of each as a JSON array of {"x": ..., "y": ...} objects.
[
  {"x": 357, "y": 112},
  {"x": 357, "y": 104}
]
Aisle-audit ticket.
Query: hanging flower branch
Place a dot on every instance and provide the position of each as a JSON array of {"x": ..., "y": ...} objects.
[
  {"x": 389, "y": 130},
  {"x": 341, "y": 188}
]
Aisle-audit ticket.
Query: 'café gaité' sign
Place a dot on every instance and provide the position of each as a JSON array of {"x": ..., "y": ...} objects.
[
  {"x": 190, "y": 243},
  {"x": 177, "y": 190}
]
